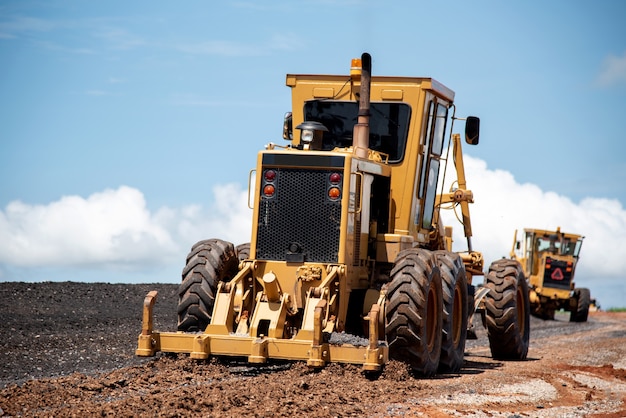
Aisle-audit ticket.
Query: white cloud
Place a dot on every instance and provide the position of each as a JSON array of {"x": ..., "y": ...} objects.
[
  {"x": 24, "y": 24},
  {"x": 98, "y": 93},
  {"x": 114, "y": 231},
  {"x": 109, "y": 227},
  {"x": 114, "y": 228},
  {"x": 613, "y": 71},
  {"x": 120, "y": 39},
  {"x": 229, "y": 218},
  {"x": 277, "y": 42},
  {"x": 223, "y": 48}
]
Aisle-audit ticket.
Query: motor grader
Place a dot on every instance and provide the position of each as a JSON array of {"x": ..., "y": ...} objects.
[
  {"x": 348, "y": 259},
  {"x": 549, "y": 260}
]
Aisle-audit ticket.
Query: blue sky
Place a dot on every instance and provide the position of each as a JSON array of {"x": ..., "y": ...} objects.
[{"x": 127, "y": 129}]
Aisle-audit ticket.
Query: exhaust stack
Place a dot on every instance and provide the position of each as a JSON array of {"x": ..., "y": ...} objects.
[{"x": 361, "y": 132}]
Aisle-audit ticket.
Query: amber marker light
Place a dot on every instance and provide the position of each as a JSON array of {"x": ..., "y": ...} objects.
[
  {"x": 269, "y": 190},
  {"x": 334, "y": 193}
]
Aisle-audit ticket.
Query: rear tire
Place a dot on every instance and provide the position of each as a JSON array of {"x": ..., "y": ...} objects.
[
  {"x": 507, "y": 309},
  {"x": 209, "y": 262},
  {"x": 582, "y": 308},
  {"x": 455, "y": 308},
  {"x": 414, "y": 309},
  {"x": 543, "y": 313}
]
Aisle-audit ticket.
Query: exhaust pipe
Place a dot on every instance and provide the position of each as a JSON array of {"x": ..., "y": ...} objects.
[{"x": 361, "y": 132}]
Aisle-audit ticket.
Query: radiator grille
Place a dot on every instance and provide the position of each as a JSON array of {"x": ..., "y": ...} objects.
[{"x": 300, "y": 222}]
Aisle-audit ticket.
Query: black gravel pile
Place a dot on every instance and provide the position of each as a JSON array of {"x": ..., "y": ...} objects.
[{"x": 56, "y": 328}]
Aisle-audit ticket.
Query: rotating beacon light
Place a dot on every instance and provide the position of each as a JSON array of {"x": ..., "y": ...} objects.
[{"x": 355, "y": 68}]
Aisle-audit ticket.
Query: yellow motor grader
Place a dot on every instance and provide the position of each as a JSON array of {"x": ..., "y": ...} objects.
[
  {"x": 348, "y": 259},
  {"x": 549, "y": 260}
]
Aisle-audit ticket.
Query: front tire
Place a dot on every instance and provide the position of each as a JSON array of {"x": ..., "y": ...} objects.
[
  {"x": 414, "y": 311},
  {"x": 243, "y": 251},
  {"x": 209, "y": 262},
  {"x": 507, "y": 309},
  {"x": 455, "y": 308}
]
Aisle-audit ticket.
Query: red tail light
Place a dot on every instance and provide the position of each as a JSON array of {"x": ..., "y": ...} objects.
[{"x": 270, "y": 175}]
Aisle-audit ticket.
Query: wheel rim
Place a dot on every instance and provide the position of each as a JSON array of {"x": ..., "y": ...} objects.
[
  {"x": 457, "y": 312},
  {"x": 432, "y": 313},
  {"x": 521, "y": 311}
]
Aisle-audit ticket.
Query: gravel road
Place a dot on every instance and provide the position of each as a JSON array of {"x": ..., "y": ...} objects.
[{"x": 67, "y": 349}]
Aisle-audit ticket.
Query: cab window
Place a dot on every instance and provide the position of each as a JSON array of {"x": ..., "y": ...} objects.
[{"x": 389, "y": 125}]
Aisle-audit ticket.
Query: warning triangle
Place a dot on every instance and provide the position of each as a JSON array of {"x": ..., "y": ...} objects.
[{"x": 557, "y": 274}]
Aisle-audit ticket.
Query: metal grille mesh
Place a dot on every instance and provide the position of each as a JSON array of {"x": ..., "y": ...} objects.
[{"x": 300, "y": 215}]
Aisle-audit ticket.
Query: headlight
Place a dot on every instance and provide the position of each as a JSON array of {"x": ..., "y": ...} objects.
[
  {"x": 307, "y": 135},
  {"x": 311, "y": 133}
]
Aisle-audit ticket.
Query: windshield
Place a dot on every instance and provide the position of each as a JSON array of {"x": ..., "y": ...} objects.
[
  {"x": 389, "y": 125},
  {"x": 572, "y": 247},
  {"x": 553, "y": 245}
]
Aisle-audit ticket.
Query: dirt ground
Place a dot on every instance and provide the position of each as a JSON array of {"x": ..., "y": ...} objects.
[{"x": 67, "y": 350}]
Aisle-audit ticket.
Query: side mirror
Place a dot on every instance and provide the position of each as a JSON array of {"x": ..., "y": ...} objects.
[
  {"x": 288, "y": 127},
  {"x": 472, "y": 130}
]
